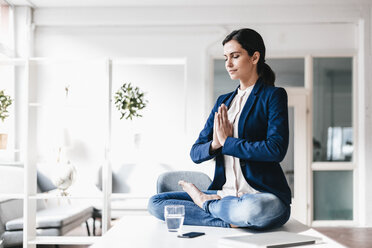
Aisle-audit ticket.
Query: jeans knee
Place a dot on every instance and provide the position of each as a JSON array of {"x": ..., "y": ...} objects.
[
  {"x": 155, "y": 207},
  {"x": 243, "y": 218},
  {"x": 259, "y": 213}
]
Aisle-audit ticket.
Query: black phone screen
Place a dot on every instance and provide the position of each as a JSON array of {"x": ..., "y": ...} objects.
[{"x": 191, "y": 235}]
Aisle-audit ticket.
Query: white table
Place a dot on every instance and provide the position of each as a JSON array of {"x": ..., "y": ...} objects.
[{"x": 147, "y": 231}]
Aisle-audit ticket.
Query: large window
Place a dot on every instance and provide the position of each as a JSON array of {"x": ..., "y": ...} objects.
[{"x": 332, "y": 122}]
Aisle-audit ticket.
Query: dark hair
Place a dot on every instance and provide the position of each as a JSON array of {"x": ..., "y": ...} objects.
[{"x": 252, "y": 41}]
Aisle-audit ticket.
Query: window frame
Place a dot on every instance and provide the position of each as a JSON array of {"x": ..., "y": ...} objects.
[{"x": 335, "y": 165}]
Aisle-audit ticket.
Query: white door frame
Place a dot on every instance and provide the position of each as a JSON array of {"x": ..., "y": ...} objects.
[{"x": 297, "y": 98}]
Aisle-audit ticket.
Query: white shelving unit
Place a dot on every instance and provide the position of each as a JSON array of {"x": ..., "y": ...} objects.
[
  {"x": 28, "y": 158},
  {"x": 30, "y": 104}
]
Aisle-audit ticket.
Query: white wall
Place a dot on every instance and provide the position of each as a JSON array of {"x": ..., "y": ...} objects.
[{"x": 195, "y": 33}]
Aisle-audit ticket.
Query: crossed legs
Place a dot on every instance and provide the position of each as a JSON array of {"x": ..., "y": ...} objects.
[{"x": 257, "y": 211}]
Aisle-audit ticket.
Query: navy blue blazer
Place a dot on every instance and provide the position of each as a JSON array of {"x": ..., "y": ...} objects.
[{"x": 261, "y": 144}]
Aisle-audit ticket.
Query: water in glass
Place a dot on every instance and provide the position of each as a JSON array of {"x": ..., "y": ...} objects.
[{"x": 174, "y": 216}]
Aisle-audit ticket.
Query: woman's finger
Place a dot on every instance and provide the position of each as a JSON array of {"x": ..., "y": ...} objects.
[
  {"x": 215, "y": 122},
  {"x": 220, "y": 123},
  {"x": 225, "y": 116},
  {"x": 220, "y": 110}
]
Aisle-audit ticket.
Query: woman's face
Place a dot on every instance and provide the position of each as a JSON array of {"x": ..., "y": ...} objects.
[{"x": 238, "y": 63}]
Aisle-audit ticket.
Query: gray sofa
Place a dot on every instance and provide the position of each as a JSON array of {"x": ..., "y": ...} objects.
[{"x": 51, "y": 220}]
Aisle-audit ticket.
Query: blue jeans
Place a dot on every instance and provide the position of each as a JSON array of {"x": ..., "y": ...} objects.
[{"x": 257, "y": 211}]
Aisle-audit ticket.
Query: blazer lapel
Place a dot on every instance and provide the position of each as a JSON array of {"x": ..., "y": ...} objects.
[{"x": 248, "y": 106}]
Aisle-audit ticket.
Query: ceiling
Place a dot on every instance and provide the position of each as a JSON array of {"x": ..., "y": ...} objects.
[{"x": 149, "y": 3}]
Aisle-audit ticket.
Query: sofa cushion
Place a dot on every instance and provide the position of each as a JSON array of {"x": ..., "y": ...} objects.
[
  {"x": 10, "y": 210},
  {"x": 15, "y": 238},
  {"x": 53, "y": 217},
  {"x": 44, "y": 183}
]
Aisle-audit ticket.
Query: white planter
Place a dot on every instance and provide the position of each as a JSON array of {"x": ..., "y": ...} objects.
[{"x": 3, "y": 141}]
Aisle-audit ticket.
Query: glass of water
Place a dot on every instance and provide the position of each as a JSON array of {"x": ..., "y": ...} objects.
[{"x": 174, "y": 215}]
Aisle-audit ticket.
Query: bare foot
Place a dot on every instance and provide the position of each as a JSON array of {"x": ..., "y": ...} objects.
[{"x": 196, "y": 195}]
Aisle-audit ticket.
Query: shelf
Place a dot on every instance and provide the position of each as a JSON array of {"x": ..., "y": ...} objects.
[
  {"x": 64, "y": 240},
  {"x": 10, "y": 151},
  {"x": 57, "y": 195},
  {"x": 13, "y": 61},
  {"x": 80, "y": 60},
  {"x": 11, "y": 196},
  {"x": 16, "y": 164},
  {"x": 35, "y": 104},
  {"x": 129, "y": 196},
  {"x": 60, "y": 106},
  {"x": 149, "y": 61}
]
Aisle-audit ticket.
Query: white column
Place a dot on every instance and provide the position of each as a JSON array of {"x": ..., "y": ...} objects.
[
  {"x": 365, "y": 119},
  {"x": 23, "y": 39},
  {"x": 106, "y": 169}
]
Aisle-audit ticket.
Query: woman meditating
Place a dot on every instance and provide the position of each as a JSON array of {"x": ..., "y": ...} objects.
[{"x": 247, "y": 133}]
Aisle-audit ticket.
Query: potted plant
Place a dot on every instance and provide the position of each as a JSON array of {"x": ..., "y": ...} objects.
[
  {"x": 5, "y": 102},
  {"x": 129, "y": 101}
]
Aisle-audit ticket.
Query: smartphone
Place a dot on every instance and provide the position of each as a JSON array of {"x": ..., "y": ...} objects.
[{"x": 191, "y": 235}]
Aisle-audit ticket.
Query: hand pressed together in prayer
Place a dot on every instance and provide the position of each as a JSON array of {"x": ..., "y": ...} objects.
[{"x": 222, "y": 127}]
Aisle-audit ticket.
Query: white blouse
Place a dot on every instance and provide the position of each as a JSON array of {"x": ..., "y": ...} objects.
[{"x": 235, "y": 184}]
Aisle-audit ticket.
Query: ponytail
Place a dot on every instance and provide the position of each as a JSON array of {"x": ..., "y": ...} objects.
[{"x": 266, "y": 73}]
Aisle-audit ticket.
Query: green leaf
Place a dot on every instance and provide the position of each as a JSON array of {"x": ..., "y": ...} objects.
[
  {"x": 129, "y": 100},
  {"x": 5, "y": 102}
]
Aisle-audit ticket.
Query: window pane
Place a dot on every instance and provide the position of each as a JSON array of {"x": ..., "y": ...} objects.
[
  {"x": 333, "y": 195},
  {"x": 332, "y": 103},
  {"x": 288, "y": 72}
]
